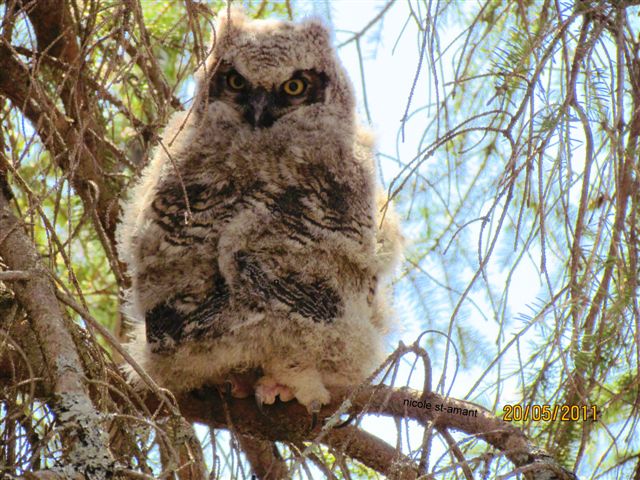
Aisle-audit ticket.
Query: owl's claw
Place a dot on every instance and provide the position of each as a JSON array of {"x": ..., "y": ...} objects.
[
  {"x": 314, "y": 410},
  {"x": 237, "y": 385},
  {"x": 228, "y": 389},
  {"x": 260, "y": 404}
]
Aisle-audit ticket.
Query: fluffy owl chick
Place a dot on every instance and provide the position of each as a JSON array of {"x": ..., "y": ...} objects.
[{"x": 254, "y": 238}]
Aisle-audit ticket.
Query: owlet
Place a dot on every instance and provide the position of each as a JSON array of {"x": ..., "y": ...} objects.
[{"x": 255, "y": 239}]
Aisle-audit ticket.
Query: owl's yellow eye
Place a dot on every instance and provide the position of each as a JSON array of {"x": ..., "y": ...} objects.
[
  {"x": 236, "y": 81},
  {"x": 294, "y": 87}
]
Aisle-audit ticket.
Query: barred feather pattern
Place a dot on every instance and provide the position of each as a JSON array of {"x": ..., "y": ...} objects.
[{"x": 255, "y": 240}]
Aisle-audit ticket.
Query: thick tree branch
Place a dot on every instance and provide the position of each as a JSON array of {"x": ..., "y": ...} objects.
[
  {"x": 266, "y": 462},
  {"x": 75, "y": 413},
  {"x": 290, "y": 422},
  {"x": 372, "y": 451}
]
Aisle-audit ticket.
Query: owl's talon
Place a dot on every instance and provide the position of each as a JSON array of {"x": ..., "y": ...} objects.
[
  {"x": 228, "y": 389},
  {"x": 260, "y": 404},
  {"x": 314, "y": 409},
  {"x": 314, "y": 406}
]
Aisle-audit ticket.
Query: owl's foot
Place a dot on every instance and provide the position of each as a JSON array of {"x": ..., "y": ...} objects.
[
  {"x": 267, "y": 389},
  {"x": 313, "y": 398},
  {"x": 303, "y": 384}
]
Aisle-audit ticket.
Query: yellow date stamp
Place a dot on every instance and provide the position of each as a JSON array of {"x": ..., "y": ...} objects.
[{"x": 549, "y": 413}]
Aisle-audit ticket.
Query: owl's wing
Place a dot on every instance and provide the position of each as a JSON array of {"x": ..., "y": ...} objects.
[
  {"x": 179, "y": 319},
  {"x": 283, "y": 249},
  {"x": 259, "y": 285}
]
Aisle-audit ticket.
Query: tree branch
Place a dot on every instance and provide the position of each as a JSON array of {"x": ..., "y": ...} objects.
[
  {"x": 264, "y": 458},
  {"x": 87, "y": 447},
  {"x": 76, "y": 138},
  {"x": 290, "y": 422}
]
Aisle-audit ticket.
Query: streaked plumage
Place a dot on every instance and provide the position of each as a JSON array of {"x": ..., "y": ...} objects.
[{"x": 253, "y": 237}]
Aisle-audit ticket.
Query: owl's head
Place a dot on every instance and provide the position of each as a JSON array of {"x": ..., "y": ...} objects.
[{"x": 266, "y": 70}]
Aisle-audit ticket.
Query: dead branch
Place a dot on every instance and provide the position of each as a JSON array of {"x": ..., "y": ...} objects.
[{"x": 66, "y": 143}]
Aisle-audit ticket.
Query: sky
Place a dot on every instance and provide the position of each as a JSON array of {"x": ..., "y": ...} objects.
[{"x": 391, "y": 53}]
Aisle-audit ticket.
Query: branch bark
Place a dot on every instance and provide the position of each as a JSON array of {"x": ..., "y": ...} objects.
[
  {"x": 290, "y": 422},
  {"x": 264, "y": 458},
  {"x": 87, "y": 447}
]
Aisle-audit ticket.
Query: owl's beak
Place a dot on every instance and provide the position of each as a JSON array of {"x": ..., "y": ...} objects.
[{"x": 259, "y": 111}]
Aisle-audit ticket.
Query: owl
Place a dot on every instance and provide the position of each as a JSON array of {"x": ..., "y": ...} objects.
[{"x": 256, "y": 240}]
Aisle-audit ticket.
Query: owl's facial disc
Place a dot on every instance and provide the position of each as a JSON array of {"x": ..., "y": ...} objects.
[{"x": 262, "y": 107}]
